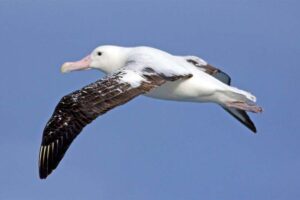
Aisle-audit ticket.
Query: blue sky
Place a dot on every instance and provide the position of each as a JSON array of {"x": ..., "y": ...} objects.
[{"x": 153, "y": 149}]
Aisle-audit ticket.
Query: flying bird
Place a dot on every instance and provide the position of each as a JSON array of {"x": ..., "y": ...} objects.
[{"x": 132, "y": 72}]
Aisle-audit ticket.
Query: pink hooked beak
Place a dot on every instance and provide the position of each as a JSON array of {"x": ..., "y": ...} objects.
[{"x": 82, "y": 64}]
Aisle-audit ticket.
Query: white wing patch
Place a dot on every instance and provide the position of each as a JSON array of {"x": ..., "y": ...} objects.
[
  {"x": 133, "y": 78},
  {"x": 199, "y": 60}
]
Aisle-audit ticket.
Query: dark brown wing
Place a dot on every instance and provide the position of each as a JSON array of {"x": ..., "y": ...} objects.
[{"x": 76, "y": 110}]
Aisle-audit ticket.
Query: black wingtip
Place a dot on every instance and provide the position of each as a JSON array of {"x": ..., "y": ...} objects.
[
  {"x": 43, "y": 165},
  {"x": 42, "y": 176},
  {"x": 251, "y": 126},
  {"x": 242, "y": 117}
]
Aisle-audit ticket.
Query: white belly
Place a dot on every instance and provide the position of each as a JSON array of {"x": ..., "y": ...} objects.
[{"x": 196, "y": 89}]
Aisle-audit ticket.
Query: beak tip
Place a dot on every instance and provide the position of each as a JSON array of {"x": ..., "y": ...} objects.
[{"x": 63, "y": 68}]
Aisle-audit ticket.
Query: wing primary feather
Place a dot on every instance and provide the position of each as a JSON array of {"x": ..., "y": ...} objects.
[
  {"x": 242, "y": 117},
  {"x": 76, "y": 110}
]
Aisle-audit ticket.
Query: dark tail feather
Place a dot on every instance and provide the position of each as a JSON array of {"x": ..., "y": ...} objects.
[{"x": 242, "y": 116}]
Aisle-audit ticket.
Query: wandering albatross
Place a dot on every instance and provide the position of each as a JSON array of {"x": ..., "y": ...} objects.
[{"x": 132, "y": 72}]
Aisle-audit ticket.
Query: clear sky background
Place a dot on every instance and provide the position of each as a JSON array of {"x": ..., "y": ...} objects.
[{"x": 152, "y": 149}]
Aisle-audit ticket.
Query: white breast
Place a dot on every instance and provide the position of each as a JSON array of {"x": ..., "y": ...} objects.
[{"x": 199, "y": 88}]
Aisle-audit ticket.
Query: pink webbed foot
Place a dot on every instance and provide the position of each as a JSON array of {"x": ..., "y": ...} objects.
[{"x": 244, "y": 106}]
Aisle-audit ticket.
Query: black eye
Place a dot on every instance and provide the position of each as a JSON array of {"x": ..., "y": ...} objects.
[{"x": 99, "y": 53}]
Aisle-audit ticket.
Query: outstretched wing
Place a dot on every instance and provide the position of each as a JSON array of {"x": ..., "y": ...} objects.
[
  {"x": 240, "y": 115},
  {"x": 76, "y": 110}
]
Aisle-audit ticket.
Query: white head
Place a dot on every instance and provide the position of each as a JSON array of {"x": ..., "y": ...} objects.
[{"x": 105, "y": 58}]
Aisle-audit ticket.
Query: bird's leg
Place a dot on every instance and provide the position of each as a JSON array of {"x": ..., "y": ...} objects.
[{"x": 244, "y": 106}]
